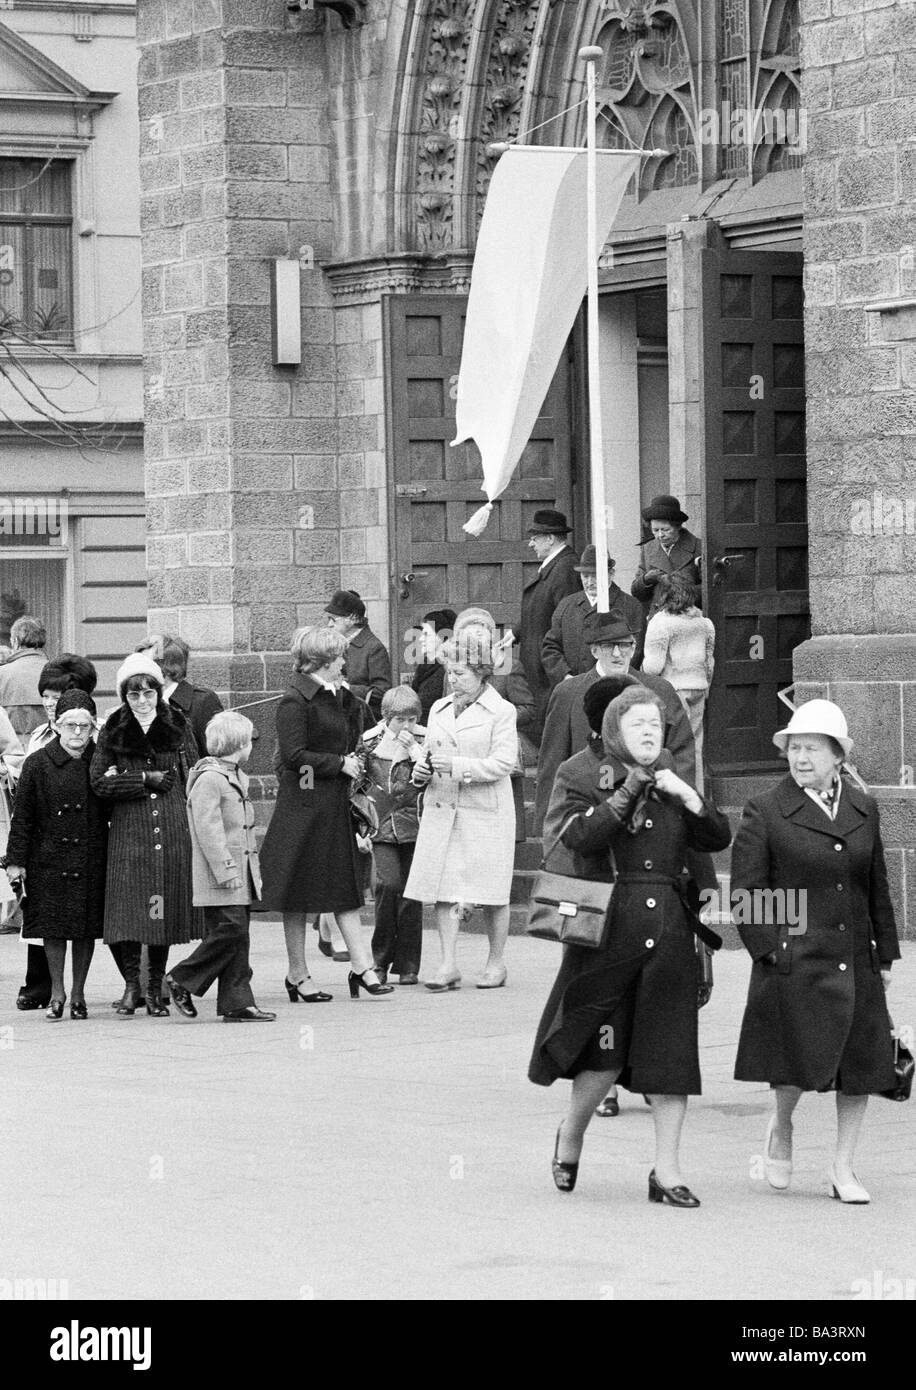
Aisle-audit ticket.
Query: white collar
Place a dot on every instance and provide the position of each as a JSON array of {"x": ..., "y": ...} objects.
[{"x": 560, "y": 545}]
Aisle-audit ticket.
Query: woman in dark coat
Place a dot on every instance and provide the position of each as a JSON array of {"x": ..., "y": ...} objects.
[
  {"x": 628, "y": 1012},
  {"x": 145, "y": 751},
  {"x": 57, "y": 848},
  {"x": 811, "y": 901},
  {"x": 309, "y": 859}
]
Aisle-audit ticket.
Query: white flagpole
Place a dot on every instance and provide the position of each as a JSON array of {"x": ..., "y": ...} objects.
[{"x": 589, "y": 56}]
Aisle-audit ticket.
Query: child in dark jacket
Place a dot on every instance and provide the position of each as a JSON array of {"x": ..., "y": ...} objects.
[{"x": 390, "y": 751}]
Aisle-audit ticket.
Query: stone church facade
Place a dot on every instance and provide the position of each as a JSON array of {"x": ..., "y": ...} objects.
[{"x": 757, "y": 322}]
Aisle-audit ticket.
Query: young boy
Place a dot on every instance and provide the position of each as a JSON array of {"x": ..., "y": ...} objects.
[
  {"x": 226, "y": 875},
  {"x": 391, "y": 750}
]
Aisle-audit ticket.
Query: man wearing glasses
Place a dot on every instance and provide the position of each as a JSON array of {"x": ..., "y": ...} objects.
[{"x": 566, "y": 729}]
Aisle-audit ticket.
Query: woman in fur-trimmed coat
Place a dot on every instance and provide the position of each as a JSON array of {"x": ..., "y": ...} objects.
[{"x": 144, "y": 753}]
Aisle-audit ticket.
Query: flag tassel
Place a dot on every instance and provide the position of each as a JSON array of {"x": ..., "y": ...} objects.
[{"x": 477, "y": 524}]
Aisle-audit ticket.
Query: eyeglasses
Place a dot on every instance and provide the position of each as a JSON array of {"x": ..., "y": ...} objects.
[
  {"x": 74, "y": 728},
  {"x": 620, "y": 647},
  {"x": 135, "y": 695}
]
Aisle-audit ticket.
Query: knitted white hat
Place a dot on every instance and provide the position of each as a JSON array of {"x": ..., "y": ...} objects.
[{"x": 137, "y": 664}]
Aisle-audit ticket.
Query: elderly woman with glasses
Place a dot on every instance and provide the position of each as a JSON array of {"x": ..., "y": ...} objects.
[
  {"x": 57, "y": 848},
  {"x": 811, "y": 901},
  {"x": 141, "y": 763}
]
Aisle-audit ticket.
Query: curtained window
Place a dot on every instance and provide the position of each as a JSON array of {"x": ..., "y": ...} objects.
[
  {"x": 36, "y": 248},
  {"x": 34, "y": 586}
]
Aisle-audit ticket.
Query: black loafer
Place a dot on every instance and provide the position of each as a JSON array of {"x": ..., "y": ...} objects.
[
  {"x": 181, "y": 998},
  {"x": 250, "y": 1015},
  {"x": 679, "y": 1196}
]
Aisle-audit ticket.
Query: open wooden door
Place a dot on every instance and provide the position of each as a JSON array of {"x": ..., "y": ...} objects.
[
  {"x": 433, "y": 488},
  {"x": 756, "y": 538}
]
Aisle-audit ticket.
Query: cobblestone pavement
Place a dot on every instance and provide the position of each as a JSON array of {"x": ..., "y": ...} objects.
[{"x": 394, "y": 1149}]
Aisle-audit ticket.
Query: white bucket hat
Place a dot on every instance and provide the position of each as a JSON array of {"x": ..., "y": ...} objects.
[{"x": 816, "y": 717}]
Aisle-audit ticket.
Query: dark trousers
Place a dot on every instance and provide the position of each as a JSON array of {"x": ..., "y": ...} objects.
[
  {"x": 222, "y": 956},
  {"x": 37, "y": 976},
  {"x": 398, "y": 937}
]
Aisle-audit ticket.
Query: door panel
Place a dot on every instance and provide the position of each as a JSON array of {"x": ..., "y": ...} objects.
[
  {"x": 756, "y": 511},
  {"x": 434, "y": 489}
]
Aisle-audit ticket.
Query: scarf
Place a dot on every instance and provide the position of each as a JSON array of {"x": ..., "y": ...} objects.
[{"x": 614, "y": 747}]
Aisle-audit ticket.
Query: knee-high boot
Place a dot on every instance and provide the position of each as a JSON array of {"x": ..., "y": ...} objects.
[
  {"x": 155, "y": 1003},
  {"x": 128, "y": 959}
]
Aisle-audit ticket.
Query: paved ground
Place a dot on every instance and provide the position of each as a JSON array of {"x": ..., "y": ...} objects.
[{"x": 394, "y": 1149}]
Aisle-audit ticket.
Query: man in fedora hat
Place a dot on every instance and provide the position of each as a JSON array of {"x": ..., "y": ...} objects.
[
  {"x": 367, "y": 669},
  {"x": 565, "y": 650},
  {"x": 566, "y": 731},
  {"x": 555, "y": 580},
  {"x": 672, "y": 548}
]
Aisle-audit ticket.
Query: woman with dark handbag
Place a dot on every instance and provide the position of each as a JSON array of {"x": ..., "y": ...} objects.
[
  {"x": 309, "y": 859},
  {"x": 144, "y": 753},
  {"x": 810, "y": 898},
  {"x": 627, "y": 1011}
]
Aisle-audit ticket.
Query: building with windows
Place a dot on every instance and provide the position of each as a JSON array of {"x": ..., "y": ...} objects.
[
  {"x": 757, "y": 319},
  {"x": 72, "y": 526}
]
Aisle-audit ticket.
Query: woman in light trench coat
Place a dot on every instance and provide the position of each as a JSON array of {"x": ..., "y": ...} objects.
[{"x": 466, "y": 845}]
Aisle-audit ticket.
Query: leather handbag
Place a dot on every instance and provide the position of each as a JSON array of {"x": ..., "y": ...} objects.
[
  {"x": 572, "y": 911},
  {"x": 903, "y": 1071}
]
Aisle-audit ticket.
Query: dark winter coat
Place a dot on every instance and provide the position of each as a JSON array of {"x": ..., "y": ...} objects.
[
  {"x": 309, "y": 858},
  {"x": 367, "y": 669},
  {"x": 59, "y": 835},
  {"x": 567, "y": 731},
  {"x": 198, "y": 705},
  {"x": 429, "y": 684},
  {"x": 684, "y": 558},
  {"x": 817, "y": 1017},
  {"x": 540, "y": 598},
  {"x": 565, "y": 650},
  {"x": 148, "y": 888},
  {"x": 639, "y": 993}
]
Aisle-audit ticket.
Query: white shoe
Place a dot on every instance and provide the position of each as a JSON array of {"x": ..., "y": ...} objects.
[
  {"x": 777, "y": 1171},
  {"x": 851, "y": 1192}
]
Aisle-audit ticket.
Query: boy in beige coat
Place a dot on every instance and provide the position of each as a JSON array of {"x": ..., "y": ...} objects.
[{"x": 226, "y": 875}]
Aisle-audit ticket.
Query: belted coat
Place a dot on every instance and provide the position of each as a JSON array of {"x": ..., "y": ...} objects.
[
  {"x": 632, "y": 1004},
  {"x": 816, "y": 1018},
  {"x": 466, "y": 843}
]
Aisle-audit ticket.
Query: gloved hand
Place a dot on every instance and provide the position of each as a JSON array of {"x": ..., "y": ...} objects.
[
  {"x": 636, "y": 779},
  {"x": 160, "y": 781},
  {"x": 621, "y": 800}
]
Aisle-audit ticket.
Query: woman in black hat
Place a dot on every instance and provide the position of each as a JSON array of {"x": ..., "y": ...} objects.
[
  {"x": 672, "y": 549},
  {"x": 367, "y": 669},
  {"x": 57, "y": 849}
]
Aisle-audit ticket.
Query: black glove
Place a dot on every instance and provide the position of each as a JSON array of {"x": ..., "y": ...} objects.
[
  {"x": 621, "y": 800},
  {"x": 636, "y": 779}
]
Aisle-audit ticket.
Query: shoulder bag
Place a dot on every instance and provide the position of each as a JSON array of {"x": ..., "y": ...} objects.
[{"x": 573, "y": 911}]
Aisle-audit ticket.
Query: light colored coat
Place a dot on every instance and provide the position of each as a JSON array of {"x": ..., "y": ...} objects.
[
  {"x": 223, "y": 843},
  {"x": 466, "y": 845}
]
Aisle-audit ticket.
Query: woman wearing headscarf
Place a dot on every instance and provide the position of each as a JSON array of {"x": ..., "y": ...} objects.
[
  {"x": 811, "y": 901},
  {"x": 627, "y": 1012},
  {"x": 140, "y": 767},
  {"x": 57, "y": 849}
]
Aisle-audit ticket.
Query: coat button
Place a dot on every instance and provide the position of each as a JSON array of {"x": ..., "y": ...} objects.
[
  {"x": 785, "y": 945},
  {"x": 157, "y": 847},
  {"x": 647, "y": 864},
  {"x": 64, "y": 840},
  {"x": 78, "y": 806},
  {"x": 841, "y": 926},
  {"x": 648, "y": 824},
  {"x": 152, "y": 796},
  {"x": 155, "y": 813},
  {"x": 839, "y": 888},
  {"x": 650, "y": 902},
  {"x": 651, "y": 942},
  {"x": 842, "y": 965},
  {"x": 76, "y": 839},
  {"x": 838, "y": 846}
]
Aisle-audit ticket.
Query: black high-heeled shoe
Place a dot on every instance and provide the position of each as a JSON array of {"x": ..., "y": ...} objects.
[
  {"x": 295, "y": 994},
  {"x": 356, "y": 983},
  {"x": 78, "y": 1010},
  {"x": 56, "y": 1010},
  {"x": 564, "y": 1174},
  {"x": 679, "y": 1196}
]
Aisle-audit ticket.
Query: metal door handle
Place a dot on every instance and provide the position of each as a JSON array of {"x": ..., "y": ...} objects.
[
  {"x": 408, "y": 578},
  {"x": 721, "y": 564}
]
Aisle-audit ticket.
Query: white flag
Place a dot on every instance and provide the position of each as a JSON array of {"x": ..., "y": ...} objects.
[{"x": 529, "y": 277}]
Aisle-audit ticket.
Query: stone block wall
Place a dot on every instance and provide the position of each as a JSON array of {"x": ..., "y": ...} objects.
[
  {"x": 265, "y": 484},
  {"x": 859, "y": 86}
]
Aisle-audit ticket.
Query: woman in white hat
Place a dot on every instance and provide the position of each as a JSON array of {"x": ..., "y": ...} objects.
[
  {"x": 811, "y": 902},
  {"x": 144, "y": 753}
]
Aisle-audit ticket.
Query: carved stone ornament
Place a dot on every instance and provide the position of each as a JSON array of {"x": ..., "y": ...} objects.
[
  {"x": 440, "y": 123},
  {"x": 507, "y": 68}
]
